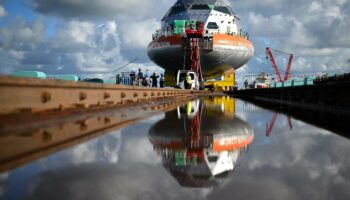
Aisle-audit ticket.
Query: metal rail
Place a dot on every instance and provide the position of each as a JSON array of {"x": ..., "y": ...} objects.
[{"x": 36, "y": 95}]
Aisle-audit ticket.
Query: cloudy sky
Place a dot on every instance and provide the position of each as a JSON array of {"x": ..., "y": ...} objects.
[{"x": 95, "y": 37}]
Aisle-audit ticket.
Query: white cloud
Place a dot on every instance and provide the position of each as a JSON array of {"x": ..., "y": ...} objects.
[
  {"x": 22, "y": 35},
  {"x": 299, "y": 35},
  {"x": 319, "y": 52},
  {"x": 105, "y": 9},
  {"x": 18, "y": 55},
  {"x": 138, "y": 34},
  {"x": 281, "y": 29},
  {"x": 104, "y": 149},
  {"x": 83, "y": 153},
  {"x": 314, "y": 32},
  {"x": 139, "y": 150},
  {"x": 2, "y": 11},
  {"x": 77, "y": 47},
  {"x": 334, "y": 12},
  {"x": 316, "y": 7}
]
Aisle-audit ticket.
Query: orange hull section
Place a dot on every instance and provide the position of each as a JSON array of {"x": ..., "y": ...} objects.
[
  {"x": 231, "y": 40},
  {"x": 218, "y": 39},
  {"x": 227, "y": 145},
  {"x": 218, "y": 145}
]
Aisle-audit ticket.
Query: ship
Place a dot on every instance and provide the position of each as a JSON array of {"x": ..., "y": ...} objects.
[
  {"x": 201, "y": 142},
  {"x": 223, "y": 46}
]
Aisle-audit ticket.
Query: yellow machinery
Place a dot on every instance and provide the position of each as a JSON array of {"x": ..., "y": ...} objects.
[
  {"x": 226, "y": 104},
  {"x": 224, "y": 83}
]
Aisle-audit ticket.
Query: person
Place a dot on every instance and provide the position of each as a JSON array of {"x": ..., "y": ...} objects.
[
  {"x": 122, "y": 79},
  {"x": 140, "y": 77},
  {"x": 191, "y": 26},
  {"x": 246, "y": 84},
  {"x": 154, "y": 78},
  {"x": 132, "y": 77},
  {"x": 161, "y": 81},
  {"x": 117, "y": 79},
  {"x": 188, "y": 81},
  {"x": 198, "y": 25},
  {"x": 254, "y": 84},
  {"x": 146, "y": 79}
]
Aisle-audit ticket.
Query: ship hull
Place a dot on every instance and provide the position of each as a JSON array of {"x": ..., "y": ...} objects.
[{"x": 228, "y": 52}]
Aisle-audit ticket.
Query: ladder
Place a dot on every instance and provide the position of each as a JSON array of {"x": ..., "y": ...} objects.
[
  {"x": 195, "y": 55},
  {"x": 194, "y": 34}
]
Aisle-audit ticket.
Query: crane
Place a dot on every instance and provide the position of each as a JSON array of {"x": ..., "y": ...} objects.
[
  {"x": 270, "y": 126},
  {"x": 274, "y": 65}
]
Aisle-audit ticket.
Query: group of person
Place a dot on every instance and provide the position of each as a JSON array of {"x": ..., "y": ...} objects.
[{"x": 141, "y": 79}]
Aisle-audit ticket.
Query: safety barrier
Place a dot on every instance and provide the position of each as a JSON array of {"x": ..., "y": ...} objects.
[
  {"x": 294, "y": 82},
  {"x": 28, "y": 94}
]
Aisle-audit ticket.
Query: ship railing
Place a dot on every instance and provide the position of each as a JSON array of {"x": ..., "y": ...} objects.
[
  {"x": 162, "y": 34},
  {"x": 157, "y": 34},
  {"x": 244, "y": 35},
  {"x": 166, "y": 33}
]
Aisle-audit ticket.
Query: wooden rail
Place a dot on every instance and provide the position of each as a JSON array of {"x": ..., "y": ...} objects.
[{"x": 35, "y": 95}]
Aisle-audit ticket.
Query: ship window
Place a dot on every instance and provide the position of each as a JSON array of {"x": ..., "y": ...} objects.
[
  {"x": 212, "y": 25},
  {"x": 199, "y": 7},
  {"x": 222, "y": 9},
  {"x": 177, "y": 9}
]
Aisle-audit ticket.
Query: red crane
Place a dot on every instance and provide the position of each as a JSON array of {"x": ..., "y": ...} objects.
[
  {"x": 279, "y": 78},
  {"x": 274, "y": 65},
  {"x": 270, "y": 126}
]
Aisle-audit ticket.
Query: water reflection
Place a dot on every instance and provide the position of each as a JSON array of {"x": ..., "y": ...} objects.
[
  {"x": 201, "y": 142},
  {"x": 141, "y": 161},
  {"x": 21, "y": 143}
]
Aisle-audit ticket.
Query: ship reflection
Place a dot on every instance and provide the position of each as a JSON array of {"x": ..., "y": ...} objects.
[{"x": 201, "y": 142}]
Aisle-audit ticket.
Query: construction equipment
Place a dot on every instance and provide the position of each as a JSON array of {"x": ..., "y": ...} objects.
[
  {"x": 223, "y": 83},
  {"x": 274, "y": 65},
  {"x": 181, "y": 76}
]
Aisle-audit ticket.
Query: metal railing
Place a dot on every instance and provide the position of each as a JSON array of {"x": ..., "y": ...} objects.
[{"x": 167, "y": 33}]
